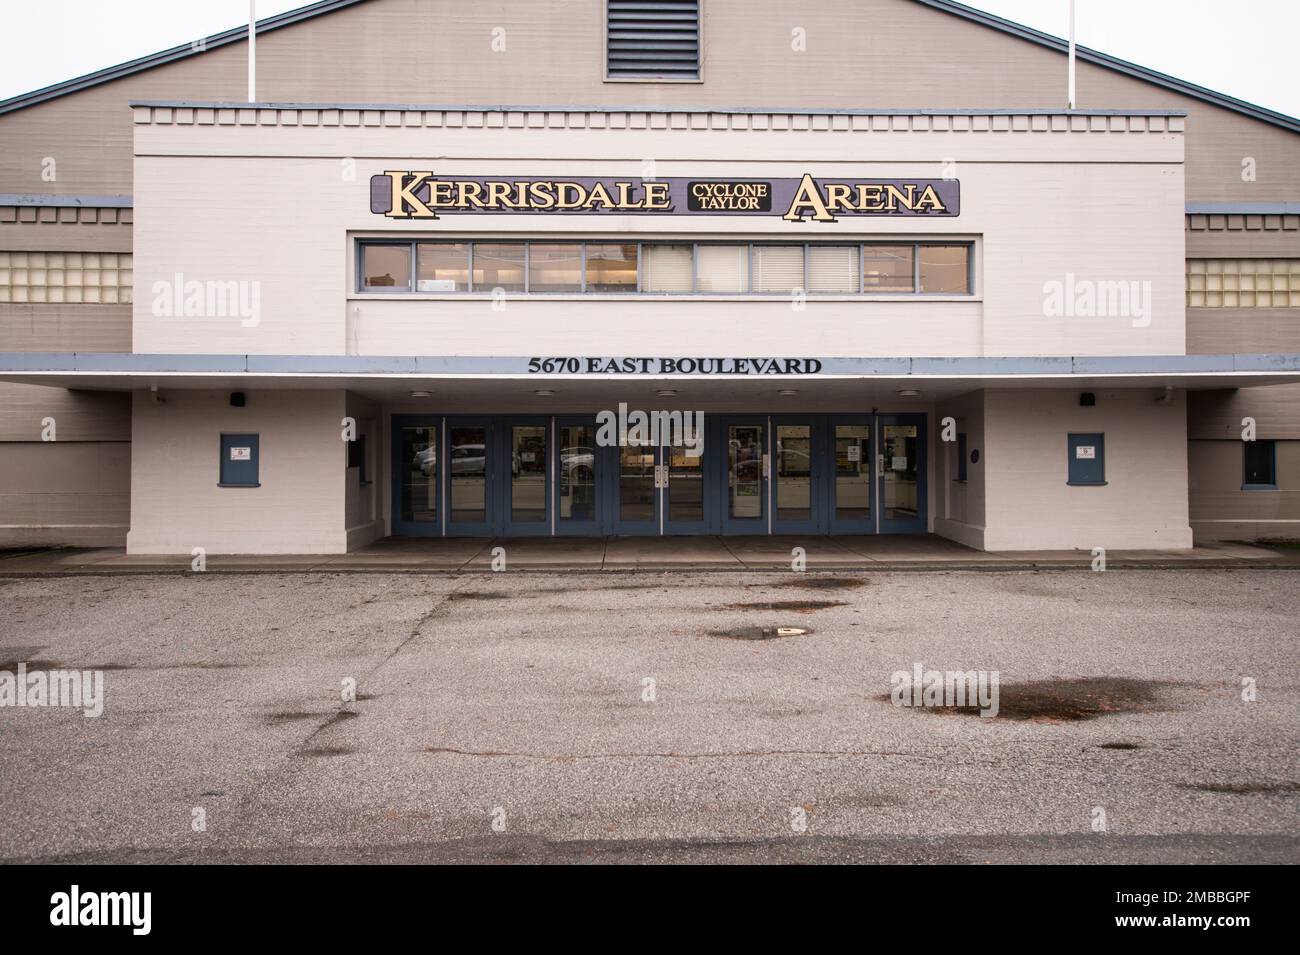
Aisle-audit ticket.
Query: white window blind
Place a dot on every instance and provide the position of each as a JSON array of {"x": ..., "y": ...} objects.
[
  {"x": 666, "y": 268},
  {"x": 832, "y": 268},
  {"x": 723, "y": 268},
  {"x": 778, "y": 268}
]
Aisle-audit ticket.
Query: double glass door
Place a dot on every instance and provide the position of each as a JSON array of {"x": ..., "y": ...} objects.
[
  {"x": 471, "y": 477},
  {"x": 848, "y": 474},
  {"x": 757, "y": 474},
  {"x": 822, "y": 474},
  {"x": 718, "y": 487}
]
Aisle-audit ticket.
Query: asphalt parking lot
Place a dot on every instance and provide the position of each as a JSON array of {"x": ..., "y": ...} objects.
[{"x": 655, "y": 716}]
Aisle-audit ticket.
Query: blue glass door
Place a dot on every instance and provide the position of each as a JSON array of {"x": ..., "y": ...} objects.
[
  {"x": 470, "y": 482},
  {"x": 631, "y": 488},
  {"x": 744, "y": 475},
  {"x": 579, "y": 489},
  {"x": 524, "y": 462},
  {"x": 798, "y": 471},
  {"x": 417, "y": 476},
  {"x": 849, "y": 482},
  {"x": 901, "y": 467},
  {"x": 689, "y": 478}
]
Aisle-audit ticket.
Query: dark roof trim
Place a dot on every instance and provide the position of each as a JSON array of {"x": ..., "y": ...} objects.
[
  {"x": 762, "y": 110},
  {"x": 1115, "y": 63},
  {"x": 236, "y": 35},
  {"x": 1243, "y": 208},
  {"x": 64, "y": 202},
  {"x": 947, "y": 6}
]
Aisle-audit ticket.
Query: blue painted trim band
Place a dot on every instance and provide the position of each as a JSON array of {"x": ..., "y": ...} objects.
[{"x": 431, "y": 365}]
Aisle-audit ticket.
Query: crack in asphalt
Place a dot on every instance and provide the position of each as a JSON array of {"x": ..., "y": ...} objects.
[
  {"x": 721, "y": 754},
  {"x": 247, "y": 801}
]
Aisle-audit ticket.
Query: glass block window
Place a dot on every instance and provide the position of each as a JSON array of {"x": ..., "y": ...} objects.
[
  {"x": 1243, "y": 283},
  {"x": 95, "y": 278}
]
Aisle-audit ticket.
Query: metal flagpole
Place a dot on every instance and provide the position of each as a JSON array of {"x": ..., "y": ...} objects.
[
  {"x": 252, "y": 51},
  {"x": 1071, "y": 93}
]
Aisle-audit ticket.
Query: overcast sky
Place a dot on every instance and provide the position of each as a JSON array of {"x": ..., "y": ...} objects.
[{"x": 1244, "y": 48}]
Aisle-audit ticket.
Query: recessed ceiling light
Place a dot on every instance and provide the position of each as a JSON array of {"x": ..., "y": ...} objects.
[
  {"x": 422, "y": 394},
  {"x": 787, "y": 392},
  {"x": 667, "y": 392},
  {"x": 544, "y": 392},
  {"x": 908, "y": 393}
]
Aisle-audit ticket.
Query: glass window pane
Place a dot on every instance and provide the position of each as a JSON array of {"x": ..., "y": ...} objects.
[
  {"x": 468, "y": 452},
  {"x": 887, "y": 268},
  {"x": 611, "y": 268},
  {"x": 745, "y": 471},
  {"x": 723, "y": 268},
  {"x": 528, "y": 473},
  {"x": 943, "y": 268},
  {"x": 577, "y": 473},
  {"x": 900, "y": 479},
  {"x": 666, "y": 268},
  {"x": 794, "y": 472},
  {"x": 636, "y": 483},
  {"x": 419, "y": 474},
  {"x": 832, "y": 268},
  {"x": 554, "y": 268},
  {"x": 685, "y": 484},
  {"x": 778, "y": 268},
  {"x": 852, "y": 472},
  {"x": 498, "y": 266},
  {"x": 442, "y": 267},
  {"x": 386, "y": 267},
  {"x": 1260, "y": 459}
]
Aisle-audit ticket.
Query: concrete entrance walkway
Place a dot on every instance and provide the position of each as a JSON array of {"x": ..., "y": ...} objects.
[{"x": 547, "y": 554}]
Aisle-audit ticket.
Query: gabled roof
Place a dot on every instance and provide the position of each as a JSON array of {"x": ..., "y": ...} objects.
[
  {"x": 237, "y": 35},
  {"x": 1115, "y": 63},
  {"x": 240, "y": 34}
]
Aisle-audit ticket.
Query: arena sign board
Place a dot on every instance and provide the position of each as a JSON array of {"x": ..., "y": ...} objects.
[{"x": 399, "y": 194}]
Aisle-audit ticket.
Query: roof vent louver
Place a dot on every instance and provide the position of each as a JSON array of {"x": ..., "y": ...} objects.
[{"x": 652, "y": 39}]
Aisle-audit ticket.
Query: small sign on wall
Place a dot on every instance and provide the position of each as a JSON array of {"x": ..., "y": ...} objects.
[
  {"x": 239, "y": 464},
  {"x": 1087, "y": 461}
]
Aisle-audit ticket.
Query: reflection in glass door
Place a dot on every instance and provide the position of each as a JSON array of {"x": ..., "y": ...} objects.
[
  {"x": 468, "y": 454},
  {"x": 744, "y": 512},
  {"x": 635, "y": 494},
  {"x": 576, "y": 500},
  {"x": 529, "y": 483},
  {"x": 795, "y": 473},
  {"x": 902, "y": 504},
  {"x": 685, "y": 504},
  {"x": 415, "y": 468},
  {"x": 852, "y": 490}
]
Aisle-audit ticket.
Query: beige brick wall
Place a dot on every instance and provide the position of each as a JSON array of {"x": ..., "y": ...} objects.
[
  {"x": 1029, "y": 504},
  {"x": 1221, "y": 510},
  {"x": 74, "y": 493},
  {"x": 960, "y": 506},
  {"x": 176, "y": 504}
]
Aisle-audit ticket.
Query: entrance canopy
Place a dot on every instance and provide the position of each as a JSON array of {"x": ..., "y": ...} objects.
[{"x": 502, "y": 380}]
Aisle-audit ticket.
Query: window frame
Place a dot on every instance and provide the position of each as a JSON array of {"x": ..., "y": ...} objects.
[
  {"x": 412, "y": 269},
  {"x": 413, "y": 245},
  {"x": 1271, "y": 484}
]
